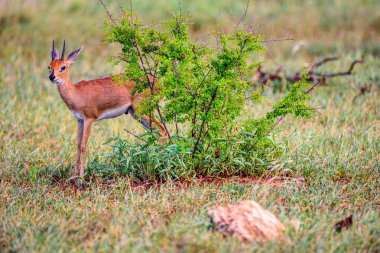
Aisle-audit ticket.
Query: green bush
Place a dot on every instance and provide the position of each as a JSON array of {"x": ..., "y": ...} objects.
[{"x": 200, "y": 92}]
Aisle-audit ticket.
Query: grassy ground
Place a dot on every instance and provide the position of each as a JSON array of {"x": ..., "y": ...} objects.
[{"x": 337, "y": 152}]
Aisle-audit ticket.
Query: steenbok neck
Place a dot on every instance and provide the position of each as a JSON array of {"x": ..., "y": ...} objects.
[{"x": 66, "y": 90}]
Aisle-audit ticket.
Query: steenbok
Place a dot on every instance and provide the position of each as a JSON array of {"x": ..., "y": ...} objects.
[{"x": 94, "y": 100}]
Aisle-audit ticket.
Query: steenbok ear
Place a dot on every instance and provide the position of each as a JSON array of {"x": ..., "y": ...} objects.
[{"x": 73, "y": 56}]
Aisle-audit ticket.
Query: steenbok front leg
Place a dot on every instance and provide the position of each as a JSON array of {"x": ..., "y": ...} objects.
[
  {"x": 86, "y": 133},
  {"x": 80, "y": 136}
]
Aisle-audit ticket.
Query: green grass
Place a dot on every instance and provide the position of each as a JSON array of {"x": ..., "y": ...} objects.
[{"x": 337, "y": 152}]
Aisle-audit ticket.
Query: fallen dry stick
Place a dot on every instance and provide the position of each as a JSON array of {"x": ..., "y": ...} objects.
[{"x": 263, "y": 77}]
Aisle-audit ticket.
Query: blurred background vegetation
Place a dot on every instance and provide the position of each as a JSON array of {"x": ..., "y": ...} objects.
[{"x": 322, "y": 26}]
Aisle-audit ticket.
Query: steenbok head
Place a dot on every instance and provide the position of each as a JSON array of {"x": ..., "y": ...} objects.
[{"x": 59, "y": 66}]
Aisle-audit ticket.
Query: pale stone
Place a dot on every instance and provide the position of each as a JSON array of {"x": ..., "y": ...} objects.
[{"x": 248, "y": 221}]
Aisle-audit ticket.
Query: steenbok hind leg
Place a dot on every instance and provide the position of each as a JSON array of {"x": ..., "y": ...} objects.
[
  {"x": 147, "y": 122},
  {"x": 155, "y": 124}
]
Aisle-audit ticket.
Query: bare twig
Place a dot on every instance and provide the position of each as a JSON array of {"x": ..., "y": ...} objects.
[
  {"x": 277, "y": 40},
  {"x": 321, "y": 62},
  {"x": 204, "y": 120},
  {"x": 180, "y": 8},
  {"x": 130, "y": 6},
  {"x": 163, "y": 121},
  {"x": 194, "y": 120},
  {"x": 251, "y": 21},
  {"x": 151, "y": 87},
  {"x": 314, "y": 85},
  {"x": 138, "y": 137},
  {"x": 242, "y": 18},
  {"x": 122, "y": 8},
  {"x": 348, "y": 72},
  {"x": 174, "y": 69},
  {"x": 278, "y": 121},
  {"x": 108, "y": 13}
]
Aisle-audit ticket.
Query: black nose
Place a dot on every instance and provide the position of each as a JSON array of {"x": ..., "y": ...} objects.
[{"x": 52, "y": 76}]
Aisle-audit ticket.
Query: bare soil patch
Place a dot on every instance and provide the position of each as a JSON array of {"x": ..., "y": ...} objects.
[{"x": 80, "y": 185}]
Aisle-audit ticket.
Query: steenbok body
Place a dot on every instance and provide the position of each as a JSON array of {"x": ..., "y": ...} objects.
[{"x": 93, "y": 100}]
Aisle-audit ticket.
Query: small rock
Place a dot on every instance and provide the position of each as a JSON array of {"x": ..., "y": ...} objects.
[{"x": 248, "y": 221}]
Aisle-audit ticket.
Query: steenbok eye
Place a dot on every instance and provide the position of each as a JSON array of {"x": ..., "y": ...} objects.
[
  {"x": 62, "y": 69},
  {"x": 48, "y": 67}
]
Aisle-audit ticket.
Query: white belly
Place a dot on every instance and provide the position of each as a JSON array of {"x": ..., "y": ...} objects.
[{"x": 112, "y": 113}]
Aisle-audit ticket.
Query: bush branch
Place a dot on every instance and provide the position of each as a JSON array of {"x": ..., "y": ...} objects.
[
  {"x": 108, "y": 13},
  {"x": 204, "y": 120}
]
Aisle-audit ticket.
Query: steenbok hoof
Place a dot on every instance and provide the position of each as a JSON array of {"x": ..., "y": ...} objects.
[{"x": 73, "y": 176}]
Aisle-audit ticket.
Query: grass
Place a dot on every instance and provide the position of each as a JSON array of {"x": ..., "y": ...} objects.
[{"x": 337, "y": 152}]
